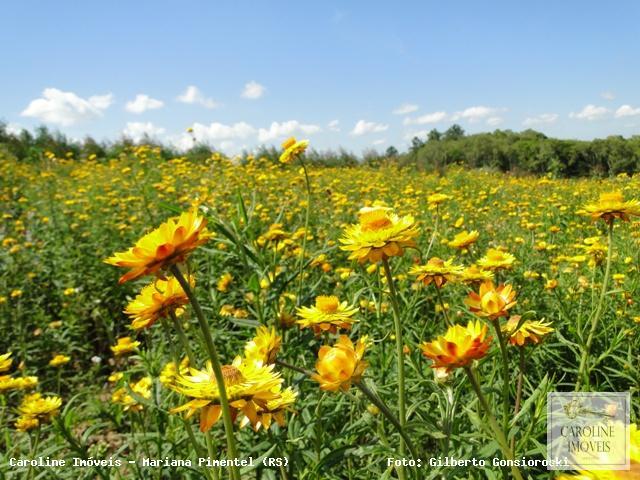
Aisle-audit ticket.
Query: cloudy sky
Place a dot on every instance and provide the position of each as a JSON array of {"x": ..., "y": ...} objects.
[{"x": 352, "y": 74}]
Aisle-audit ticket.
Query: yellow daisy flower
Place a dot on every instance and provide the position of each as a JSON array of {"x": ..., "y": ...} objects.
[
  {"x": 328, "y": 314},
  {"x": 379, "y": 234},
  {"x": 496, "y": 259},
  {"x": 59, "y": 360},
  {"x": 459, "y": 346},
  {"x": 156, "y": 301},
  {"x": 168, "y": 244},
  {"x": 491, "y": 302},
  {"x": 5, "y": 362},
  {"x": 264, "y": 346},
  {"x": 611, "y": 206},
  {"x": 341, "y": 364},
  {"x": 293, "y": 149},
  {"x": 124, "y": 345},
  {"x": 437, "y": 271},
  {"x": 531, "y": 331},
  {"x": 131, "y": 401},
  {"x": 35, "y": 406},
  {"x": 472, "y": 274},
  {"x": 464, "y": 239}
]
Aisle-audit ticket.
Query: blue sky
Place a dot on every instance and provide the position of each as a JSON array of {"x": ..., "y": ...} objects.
[{"x": 353, "y": 74}]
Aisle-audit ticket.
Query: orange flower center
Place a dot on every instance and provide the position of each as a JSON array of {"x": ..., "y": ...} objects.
[
  {"x": 231, "y": 375},
  {"x": 327, "y": 304}
]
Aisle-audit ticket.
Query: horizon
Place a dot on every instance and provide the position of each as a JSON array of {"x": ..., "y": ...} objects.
[{"x": 355, "y": 76}]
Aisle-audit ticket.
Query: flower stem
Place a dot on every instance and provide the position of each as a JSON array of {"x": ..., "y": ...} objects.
[
  {"x": 306, "y": 229},
  {"x": 217, "y": 368},
  {"x": 516, "y": 409},
  {"x": 497, "y": 431},
  {"x": 183, "y": 339},
  {"x": 34, "y": 449},
  {"x": 583, "y": 370},
  {"x": 505, "y": 375},
  {"x": 399, "y": 353},
  {"x": 378, "y": 402},
  {"x": 442, "y": 306}
]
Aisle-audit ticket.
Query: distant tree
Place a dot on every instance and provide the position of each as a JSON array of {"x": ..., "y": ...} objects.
[
  {"x": 416, "y": 144},
  {"x": 434, "y": 136},
  {"x": 454, "y": 132},
  {"x": 391, "y": 152}
]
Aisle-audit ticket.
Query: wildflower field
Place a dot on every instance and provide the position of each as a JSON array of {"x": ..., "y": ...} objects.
[{"x": 342, "y": 322}]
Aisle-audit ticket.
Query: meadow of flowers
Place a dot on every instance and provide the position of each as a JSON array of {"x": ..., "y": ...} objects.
[{"x": 329, "y": 318}]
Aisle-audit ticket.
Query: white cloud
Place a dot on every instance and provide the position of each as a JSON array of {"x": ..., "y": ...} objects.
[
  {"x": 66, "y": 108},
  {"x": 142, "y": 103},
  {"x": 608, "y": 95},
  {"x": 363, "y": 127},
  {"x": 493, "y": 121},
  {"x": 590, "y": 112},
  {"x": 405, "y": 109},
  {"x": 193, "y": 95},
  {"x": 216, "y": 133},
  {"x": 136, "y": 131},
  {"x": 474, "y": 114},
  {"x": 334, "y": 125},
  {"x": 540, "y": 119},
  {"x": 434, "y": 117},
  {"x": 13, "y": 128},
  {"x": 422, "y": 134},
  {"x": 380, "y": 141},
  {"x": 253, "y": 90},
  {"x": 627, "y": 111},
  {"x": 285, "y": 129}
]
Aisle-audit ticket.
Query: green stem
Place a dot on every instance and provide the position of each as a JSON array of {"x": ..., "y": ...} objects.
[
  {"x": 505, "y": 375},
  {"x": 518, "y": 391},
  {"x": 306, "y": 229},
  {"x": 583, "y": 370},
  {"x": 497, "y": 431},
  {"x": 34, "y": 449},
  {"x": 215, "y": 365},
  {"x": 442, "y": 306},
  {"x": 183, "y": 339},
  {"x": 378, "y": 402},
  {"x": 400, "y": 355}
]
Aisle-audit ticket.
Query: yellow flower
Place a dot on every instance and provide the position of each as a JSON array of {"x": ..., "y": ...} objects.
[
  {"x": 5, "y": 362},
  {"x": 124, "y": 345},
  {"x": 24, "y": 424},
  {"x": 437, "y": 271},
  {"x": 341, "y": 364},
  {"x": 131, "y": 401},
  {"x": 42, "y": 409},
  {"x": 58, "y": 360},
  {"x": 20, "y": 383},
  {"x": 473, "y": 274},
  {"x": 115, "y": 376},
  {"x": 169, "y": 372},
  {"x": 459, "y": 346},
  {"x": 496, "y": 259},
  {"x": 168, "y": 244},
  {"x": 611, "y": 206},
  {"x": 264, "y": 346},
  {"x": 379, "y": 234},
  {"x": 437, "y": 198},
  {"x": 224, "y": 281},
  {"x": 156, "y": 301},
  {"x": 328, "y": 314},
  {"x": 69, "y": 291},
  {"x": 464, "y": 239},
  {"x": 15, "y": 293},
  {"x": 491, "y": 302},
  {"x": 531, "y": 331},
  {"x": 551, "y": 284},
  {"x": 249, "y": 385},
  {"x": 293, "y": 149}
]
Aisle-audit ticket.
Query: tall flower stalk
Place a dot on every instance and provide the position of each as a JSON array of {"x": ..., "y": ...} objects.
[{"x": 216, "y": 366}]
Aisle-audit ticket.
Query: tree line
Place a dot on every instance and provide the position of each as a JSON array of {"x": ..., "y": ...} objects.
[{"x": 526, "y": 152}]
